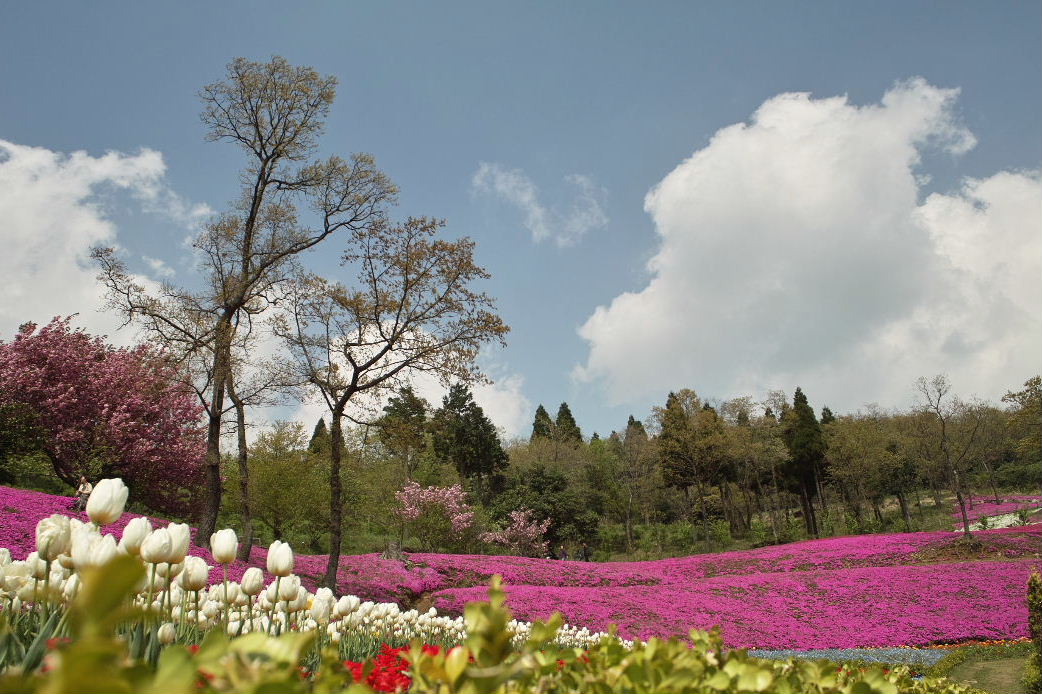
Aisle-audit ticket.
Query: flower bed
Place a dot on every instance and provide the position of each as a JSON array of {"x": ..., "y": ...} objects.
[
  {"x": 1007, "y": 504},
  {"x": 869, "y": 590}
]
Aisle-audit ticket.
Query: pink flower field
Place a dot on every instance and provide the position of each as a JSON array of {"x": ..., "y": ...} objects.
[
  {"x": 987, "y": 506},
  {"x": 846, "y": 592}
]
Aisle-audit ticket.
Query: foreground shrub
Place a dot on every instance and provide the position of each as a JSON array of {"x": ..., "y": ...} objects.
[{"x": 1033, "y": 670}]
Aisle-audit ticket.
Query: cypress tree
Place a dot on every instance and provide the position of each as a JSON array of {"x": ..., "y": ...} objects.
[
  {"x": 463, "y": 436},
  {"x": 321, "y": 441},
  {"x": 566, "y": 429},
  {"x": 806, "y": 445},
  {"x": 826, "y": 415},
  {"x": 542, "y": 425}
]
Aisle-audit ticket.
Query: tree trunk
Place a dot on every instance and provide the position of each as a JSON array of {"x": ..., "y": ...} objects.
[
  {"x": 336, "y": 504},
  {"x": 904, "y": 511},
  {"x": 246, "y": 534},
  {"x": 221, "y": 363},
  {"x": 962, "y": 509}
]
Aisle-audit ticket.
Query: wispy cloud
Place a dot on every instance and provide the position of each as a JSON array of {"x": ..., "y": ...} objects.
[{"x": 564, "y": 228}]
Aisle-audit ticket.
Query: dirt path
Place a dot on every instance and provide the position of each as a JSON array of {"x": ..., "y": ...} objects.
[{"x": 996, "y": 676}]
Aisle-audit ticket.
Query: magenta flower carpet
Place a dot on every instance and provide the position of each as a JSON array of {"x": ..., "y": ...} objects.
[{"x": 860, "y": 591}]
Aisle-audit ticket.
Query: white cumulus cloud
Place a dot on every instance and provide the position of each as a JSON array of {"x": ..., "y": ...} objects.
[
  {"x": 52, "y": 212},
  {"x": 564, "y": 227},
  {"x": 797, "y": 248}
]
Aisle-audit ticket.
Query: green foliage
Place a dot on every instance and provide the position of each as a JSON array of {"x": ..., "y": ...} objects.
[
  {"x": 1033, "y": 670},
  {"x": 542, "y": 425},
  {"x": 465, "y": 438},
  {"x": 546, "y": 491},
  {"x": 565, "y": 428}
]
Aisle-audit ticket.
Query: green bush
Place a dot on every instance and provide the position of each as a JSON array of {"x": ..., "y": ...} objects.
[{"x": 1033, "y": 669}]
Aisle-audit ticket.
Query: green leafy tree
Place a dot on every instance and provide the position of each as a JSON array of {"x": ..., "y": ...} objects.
[{"x": 403, "y": 429}]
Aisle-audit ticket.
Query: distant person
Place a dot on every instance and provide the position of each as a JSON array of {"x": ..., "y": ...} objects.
[
  {"x": 83, "y": 493},
  {"x": 564, "y": 553},
  {"x": 584, "y": 552}
]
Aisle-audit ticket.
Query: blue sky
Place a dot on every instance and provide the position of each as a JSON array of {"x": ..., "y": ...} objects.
[{"x": 802, "y": 248}]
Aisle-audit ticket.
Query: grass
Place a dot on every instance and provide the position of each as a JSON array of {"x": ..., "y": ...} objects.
[{"x": 996, "y": 669}]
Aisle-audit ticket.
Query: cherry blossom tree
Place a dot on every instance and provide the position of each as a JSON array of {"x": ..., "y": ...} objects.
[{"x": 110, "y": 412}]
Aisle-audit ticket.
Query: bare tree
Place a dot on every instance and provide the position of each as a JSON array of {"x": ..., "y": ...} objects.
[
  {"x": 947, "y": 430},
  {"x": 413, "y": 310},
  {"x": 274, "y": 112}
]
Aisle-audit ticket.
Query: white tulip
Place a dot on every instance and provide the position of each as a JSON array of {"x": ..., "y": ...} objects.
[
  {"x": 104, "y": 550},
  {"x": 72, "y": 586},
  {"x": 106, "y": 502},
  {"x": 322, "y": 605},
  {"x": 167, "y": 633},
  {"x": 280, "y": 559},
  {"x": 347, "y": 604},
  {"x": 223, "y": 545},
  {"x": 196, "y": 574},
  {"x": 37, "y": 566},
  {"x": 83, "y": 539},
  {"x": 252, "y": 581},
  {"x": 5, "y": 556},
  {"x": 134, "y": 534},
  {"x": 289, "y": 586},
  {"x": 157, "y": 548},
  {"x": 180, "y": 536},
  {"x": 53, "y": 536}
]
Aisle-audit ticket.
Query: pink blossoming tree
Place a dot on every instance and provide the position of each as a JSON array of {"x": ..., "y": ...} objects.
[
  {"x": 115, "y": 412},
  {"x": 439, "y": 517},
  {"x": 523, "y": 535}
]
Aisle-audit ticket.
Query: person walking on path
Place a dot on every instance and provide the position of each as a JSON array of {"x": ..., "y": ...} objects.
[
  {"x": 83, "y": 493},
  {"x": 584, "y": 552}
]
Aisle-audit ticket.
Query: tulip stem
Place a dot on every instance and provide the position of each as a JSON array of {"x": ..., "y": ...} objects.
[
  {"x": 227, "y": 603},
  {"x": 151, "y": 585}
]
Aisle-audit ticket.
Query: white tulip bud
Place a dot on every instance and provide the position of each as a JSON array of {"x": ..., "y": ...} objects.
[
  {"x": 167, "y": 634},
  {"x": 252, "y": 581},
  {"x": 289, "y": 586},
  {"x": 157, "y": 548},
  {"x": 223, "y": 545},
  {"x": 5, "y": 556},
  {"x": 196, "y": 574},
  {"x": 134, "y": 534},
  {"x": 322, "y": 605},
  {"x": 53, "y": 536},
  {"x": 72, "y": 586},
  {"x": 106, "y": 502},
  {"x": 37, "y": 566},
  {"x": 104, "y": 550},
  {"x": 280, "y": 559},
  {"x": 347, "y": 604},
  {"x": 180, "y": 537}
]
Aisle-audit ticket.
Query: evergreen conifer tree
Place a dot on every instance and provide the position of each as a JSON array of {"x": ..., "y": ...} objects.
[
  {"x": 826, "y": 415},
  {"x": 463, "y": 436},
  {"x": 806, "y": 444},
  {"x": 542, "y": 426},
  {"x": 321, "y": 441},
  {"x": 566, "y": 429}
]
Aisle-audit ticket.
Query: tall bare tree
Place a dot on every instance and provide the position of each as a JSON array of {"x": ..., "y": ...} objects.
[
  {"x": 947, "y": 429},
  {"x": 413, "y": 309},
  {"x": 274, "y": 112}
]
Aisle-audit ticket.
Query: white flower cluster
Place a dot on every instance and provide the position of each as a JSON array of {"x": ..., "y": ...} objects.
[{"x": 177, "y": 585}]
